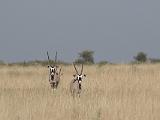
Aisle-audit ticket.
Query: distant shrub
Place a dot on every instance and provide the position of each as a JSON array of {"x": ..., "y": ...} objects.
[
  {"x": 154, "y": 60},
  {"x": 2, "y": 62},
  {"x": 79, "y": 61},
  {"x": 85, "y": 57},
  {"x": 101, "y": 63},
  {"x": 37, "y": 62},
  {"x": 141, "y": 57}
]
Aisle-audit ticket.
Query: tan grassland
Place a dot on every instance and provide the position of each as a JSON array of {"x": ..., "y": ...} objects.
[{"x": 110, "y": 92}]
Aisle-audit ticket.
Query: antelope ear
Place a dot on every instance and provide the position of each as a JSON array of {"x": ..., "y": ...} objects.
[{"x": 85, "y": 75}]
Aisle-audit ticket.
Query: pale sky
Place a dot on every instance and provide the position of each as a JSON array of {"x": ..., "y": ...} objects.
[{"x": 115, "y": 29}]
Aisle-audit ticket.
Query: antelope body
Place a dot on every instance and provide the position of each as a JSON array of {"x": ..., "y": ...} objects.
[
  {"x": 75, "y": 88},
  {"x": 54, "y": 78},
  {"x": 54, "y": 73},
  {"x": 76, "y": 83}
]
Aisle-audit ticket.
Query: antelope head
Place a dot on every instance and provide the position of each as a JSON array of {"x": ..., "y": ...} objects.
[
  {"x": 78, "y": 76},
  {"x": 52, "y": 68}
]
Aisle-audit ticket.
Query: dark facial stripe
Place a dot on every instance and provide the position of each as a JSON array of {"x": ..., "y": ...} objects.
[{"x": 80, "y": 87}]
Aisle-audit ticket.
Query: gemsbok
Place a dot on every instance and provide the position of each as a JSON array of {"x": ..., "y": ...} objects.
[
  {"x": 54, "y": 73},
  {"x": 76, "y": 83}
]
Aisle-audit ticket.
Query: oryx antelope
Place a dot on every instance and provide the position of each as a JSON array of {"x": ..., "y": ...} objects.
[
  {"x": 76, "y": 83},
  {"x": 54, "y": 73}
]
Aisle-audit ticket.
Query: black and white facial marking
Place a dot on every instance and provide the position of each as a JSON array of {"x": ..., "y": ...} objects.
[
  {"x": 79, "y": 78},
  {"x": 52, "y": 70}
]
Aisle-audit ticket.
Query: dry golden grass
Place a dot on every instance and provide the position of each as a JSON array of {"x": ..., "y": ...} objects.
[{"x": 111, "y": 92}]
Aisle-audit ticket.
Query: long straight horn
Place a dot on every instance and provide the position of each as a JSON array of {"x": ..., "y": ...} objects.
[
  {"x": 55, "y": 58},
  {"x": 82, "y": 69},
  {"x": 75, "y": 68},
  {"x": 48, "y": 58}
]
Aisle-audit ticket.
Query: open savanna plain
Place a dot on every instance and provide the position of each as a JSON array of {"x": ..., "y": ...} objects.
[{"x": 110, "y": 92}]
